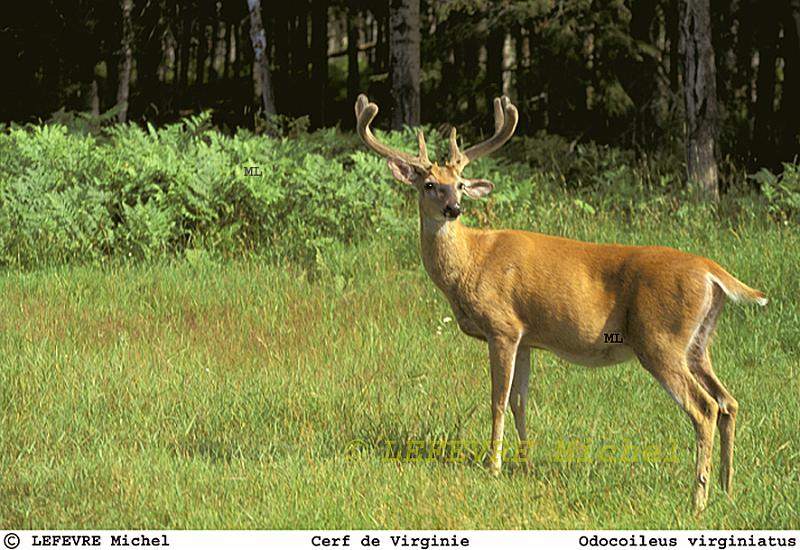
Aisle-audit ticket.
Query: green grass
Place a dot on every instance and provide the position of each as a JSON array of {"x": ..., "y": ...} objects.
[{"x": 196, "y": 394}]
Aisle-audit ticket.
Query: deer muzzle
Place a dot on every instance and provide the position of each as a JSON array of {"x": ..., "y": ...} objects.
[{"x": 452, "y": 210}]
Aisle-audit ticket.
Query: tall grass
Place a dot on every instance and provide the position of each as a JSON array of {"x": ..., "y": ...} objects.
[{"x": 202, "y": 393}]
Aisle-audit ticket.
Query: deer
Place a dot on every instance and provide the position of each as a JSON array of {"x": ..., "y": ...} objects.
[{"x": 519, "y": 290}]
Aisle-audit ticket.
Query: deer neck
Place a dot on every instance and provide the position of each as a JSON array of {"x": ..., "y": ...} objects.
[{"x": 446, "y": 253}]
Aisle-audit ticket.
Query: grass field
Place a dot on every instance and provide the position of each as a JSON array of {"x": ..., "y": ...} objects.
[{"x": 198, "y": 394}]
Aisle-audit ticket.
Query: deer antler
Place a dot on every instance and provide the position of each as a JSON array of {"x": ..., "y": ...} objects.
[
  {"x": 365, "y": 113},
  {"x": 505, "y": 122}
]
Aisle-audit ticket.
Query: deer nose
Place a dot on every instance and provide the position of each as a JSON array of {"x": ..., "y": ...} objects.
[{"x": 452, "y": 210}]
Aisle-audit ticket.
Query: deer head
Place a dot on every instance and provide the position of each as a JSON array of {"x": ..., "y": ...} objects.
[{"x": 440, "y": 188}]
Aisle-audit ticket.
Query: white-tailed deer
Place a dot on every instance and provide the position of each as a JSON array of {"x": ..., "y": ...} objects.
[{"x": 591, "y": 304}]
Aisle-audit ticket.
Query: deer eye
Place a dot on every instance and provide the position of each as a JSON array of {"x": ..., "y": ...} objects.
[
  {"x": 460, "y": 186},
  {"x": 428, "y": 185}
]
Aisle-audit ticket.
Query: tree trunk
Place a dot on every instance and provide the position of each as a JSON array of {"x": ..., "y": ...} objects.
[
  {"x": 173, "y": 50},
  {"x": 790, "y": 109},
  {"x": 470, "y": 72},
  {"x": 494, "y": 67},
  {"x": 185, "y": 50},
  {"x": 763, "y": 148},
  {"x": 282, "y": 51},
  {"x": 672, "y": 24},
  {"x": 300, "y": 55},
  {"x": 382, "y": 48},
  {"x": 319, "y": 60},
  {"x": 217, "y": 36},
  {"x": 404, "y": 51},
  {"x": 230, "y": 30},
  {"x": 300, "y": 52},
  {"x": 94, "y": 98},
  {"x": 125, "y": 60},
  {"x": 353, "y": 80},
  {"x": 641, "y": 80},
  {"x": 111, "y": 86},
  {"x": 520, "y": 94},
  {"x": 149, "y": 56},
  {"x": 240, "y": 59},
  {"x": 369, "y": 37},
  {"x": 202, "y": 47},
  {"x": 700, "y": 95},
  {"x": 261, "y": 75}
]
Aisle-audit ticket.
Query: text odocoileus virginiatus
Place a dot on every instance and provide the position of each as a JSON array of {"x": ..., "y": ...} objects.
[{"x": 519, "y": 290}]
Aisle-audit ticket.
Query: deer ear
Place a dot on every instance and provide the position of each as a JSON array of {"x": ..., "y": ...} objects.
[
  {"x": 402, "y": 171},
  {"x": 478, "y": 188}
]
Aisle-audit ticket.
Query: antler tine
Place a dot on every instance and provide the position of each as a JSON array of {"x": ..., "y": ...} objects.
[
  {"x": 365, "y": 113},
  {"x": 361, "y": 103},
  {"x": 500, "y": 104},
  {"x": 455, "y": 154},
  {"x": 423, "y": 149},
  {"x": 506, "y": 117}
]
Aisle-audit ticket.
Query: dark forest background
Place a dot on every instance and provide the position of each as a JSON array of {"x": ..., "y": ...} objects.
[{"x": 613, "y": 72}]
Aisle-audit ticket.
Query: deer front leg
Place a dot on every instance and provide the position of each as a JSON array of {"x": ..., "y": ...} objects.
[
  {"x": 519, "y": 398},
  {"x": 502, "y": 355}
]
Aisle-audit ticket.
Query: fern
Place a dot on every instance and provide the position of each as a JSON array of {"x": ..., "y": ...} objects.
[{"x": 76, "y": 193}]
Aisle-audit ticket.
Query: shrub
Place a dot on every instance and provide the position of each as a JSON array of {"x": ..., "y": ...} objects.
[
  {"x": 781, "y": 192},
  {"x": 95, "y": 192}
]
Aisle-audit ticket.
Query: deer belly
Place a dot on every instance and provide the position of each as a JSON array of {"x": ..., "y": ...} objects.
[{"x": 600, "y": 356}]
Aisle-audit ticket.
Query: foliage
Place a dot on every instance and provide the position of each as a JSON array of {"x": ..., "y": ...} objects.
[
  {"x": 97, "y": 193},
  {"x": 781, "y": 192},
  {"x": 144, "y": 193},
  {"x": 603, "y": 71}
]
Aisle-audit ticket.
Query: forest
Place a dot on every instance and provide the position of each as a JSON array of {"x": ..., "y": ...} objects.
[{"x": 610, "y": 72}]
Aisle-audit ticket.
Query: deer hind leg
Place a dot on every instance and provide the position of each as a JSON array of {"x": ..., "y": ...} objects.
[
  {"x": 726, "y": 419},
  {"x": 674, "y": 375},
  {"x": 502, "y": 354},
  {"x": 699, "y": 359},
  {"x": 519, "y": 398}
]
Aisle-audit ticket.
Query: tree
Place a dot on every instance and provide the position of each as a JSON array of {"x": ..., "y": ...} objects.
[
  {"x": 125, "y": 60},
  {"x": 763, "y": 148},
  {"x": 300, "y": 56},
  {"x": 353, "y": 75},
  {"x": 640, "y": 77},
  {"x": 186, "y": 11},
  {"x": 319, "y": 59},
  {"x": 261, "y": 74},
  {"x": 494, "y": 65},
  {"x": 203, "y": 17},
  {"x": 149, "y": 55},
  {"x": 700, "y": 96},
  {"x": 404, "y": 52},
  {"x": 790, "y": 111}
]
